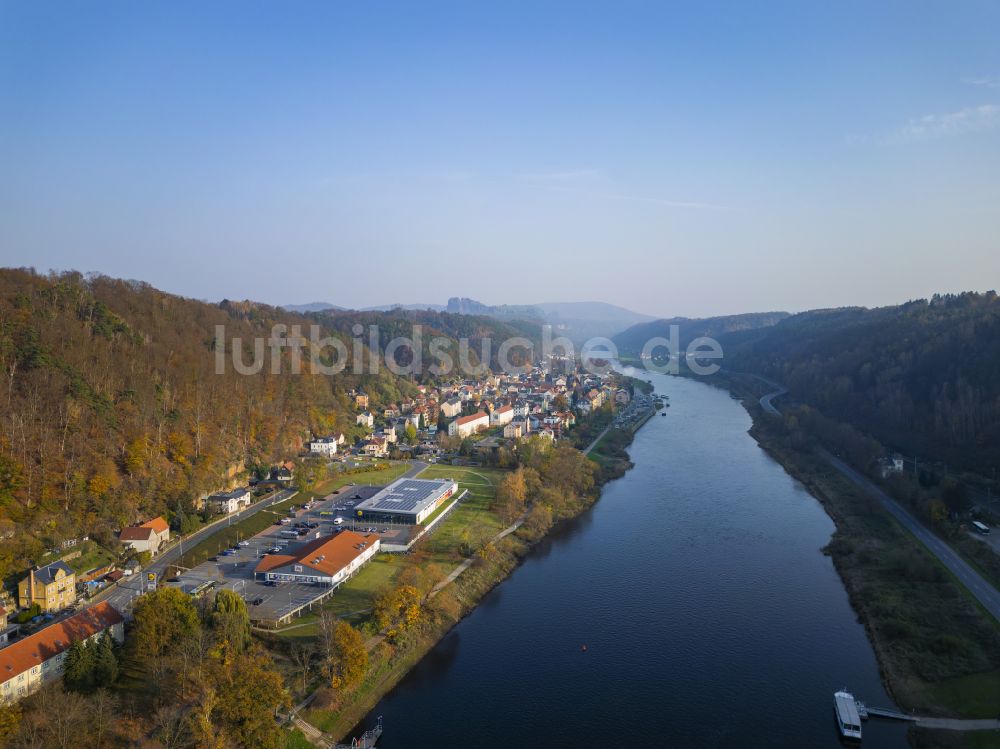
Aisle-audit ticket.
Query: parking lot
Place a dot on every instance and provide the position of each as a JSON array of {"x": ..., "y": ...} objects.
[{"x": 234, "y": 568}]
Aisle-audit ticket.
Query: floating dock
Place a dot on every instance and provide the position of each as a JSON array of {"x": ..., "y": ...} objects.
[{"x": 367, "y": 740}]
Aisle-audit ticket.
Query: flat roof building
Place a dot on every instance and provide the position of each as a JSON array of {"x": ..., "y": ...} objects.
[{"x": 406, "y": 501}]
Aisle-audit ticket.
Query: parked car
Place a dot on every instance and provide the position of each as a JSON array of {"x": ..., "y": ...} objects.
[
  {"x": 243, "y": 543},
  {"x": 256, "y": 601}
]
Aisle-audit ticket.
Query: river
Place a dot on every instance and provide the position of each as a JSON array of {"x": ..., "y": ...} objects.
[{"x": 710, "y": 616}]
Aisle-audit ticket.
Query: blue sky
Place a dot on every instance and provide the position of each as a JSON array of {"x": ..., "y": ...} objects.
[{"x": 674, "y": 158}]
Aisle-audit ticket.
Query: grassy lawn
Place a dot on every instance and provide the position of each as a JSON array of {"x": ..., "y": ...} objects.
[
  {"x": 382, "y": 476},
  {"x": 473, "y": 515},
  {"x": 977, "y": 695},
  {"x": 297, "y": 740},
  {"x": 92, "y": 556}
]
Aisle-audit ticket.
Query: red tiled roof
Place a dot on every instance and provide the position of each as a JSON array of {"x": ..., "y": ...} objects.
[
  {"x": 157, "y": 524},
  {"x": 34, "y": 650},
  {"x": 337, "y": 551},
  {"x": 466, "y": 419},
  {"x": 136, "y": 533}
]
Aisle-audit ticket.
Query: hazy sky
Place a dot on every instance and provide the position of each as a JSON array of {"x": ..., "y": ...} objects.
[{"x": 677, "y": 158}]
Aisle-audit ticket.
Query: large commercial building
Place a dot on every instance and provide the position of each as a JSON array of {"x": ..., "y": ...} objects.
[
  {"x": 406, "y": 501},
  {"x": 326, "y": 561},
  {"x": 38, "y": 659}
]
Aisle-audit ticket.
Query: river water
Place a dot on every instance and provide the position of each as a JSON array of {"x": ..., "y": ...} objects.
[{"x": 710, "y": 616}]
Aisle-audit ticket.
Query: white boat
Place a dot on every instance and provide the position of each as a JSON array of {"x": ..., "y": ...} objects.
[{"x": 848, "y": 719}]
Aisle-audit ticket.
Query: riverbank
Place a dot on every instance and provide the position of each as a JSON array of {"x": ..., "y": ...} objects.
[{"x": 938, "y": 651}]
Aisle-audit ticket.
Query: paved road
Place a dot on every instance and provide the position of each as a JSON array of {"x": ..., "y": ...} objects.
[
  {"x": 121, "y": 595},
  {"x": 767, "y": 404},
  {"x": 985, "y": 593}
]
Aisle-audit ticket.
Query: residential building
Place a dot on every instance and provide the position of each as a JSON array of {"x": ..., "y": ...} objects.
[
  {"x": 38, "y": 659},
  {"x": 375, "y": 447},
  {"x": 366, "y": 419},
  {"x": 360, "y": 400},
  {"x": 148, "y": 536},
  {"x": 230, "y": 502},
  {"x": 451, "y": 408},
  {"x": 283, "y": 473},
  {"x": 466, "y": 425},
  {"x": 52, "y": 587},
  {"x": 326, "y": 446},
  {"x": 513, "y": 431},
  {"x": 6, "y": 628},
  {"x": 329, "y": 560},
  {"x": 502, "y": 416}
]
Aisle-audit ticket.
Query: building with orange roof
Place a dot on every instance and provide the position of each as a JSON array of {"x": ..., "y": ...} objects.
[
  {"x": 38, "y": 659},
  {"x": 466, "y": 425},
  {"x": 148, "y": 536},
  {"x": 329, "y": 560}
]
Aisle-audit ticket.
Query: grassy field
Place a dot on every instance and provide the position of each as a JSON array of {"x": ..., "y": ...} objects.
[
  {"x": 382, "y": 476},
  {"x": 473, "y": 517}
]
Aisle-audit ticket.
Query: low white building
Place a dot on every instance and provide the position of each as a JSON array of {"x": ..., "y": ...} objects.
[
  {"x": 326, "y": 446},
  {"x": 502, "y": 416},
  {"x": 230, "y": 502},
  {"x": 366, "y": 418}
]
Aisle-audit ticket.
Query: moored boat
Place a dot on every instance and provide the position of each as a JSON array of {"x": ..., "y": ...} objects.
[{"x": 848, "y": 719}]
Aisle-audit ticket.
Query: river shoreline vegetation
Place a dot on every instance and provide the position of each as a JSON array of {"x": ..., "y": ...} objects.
[{"x": 938, "y": 651}]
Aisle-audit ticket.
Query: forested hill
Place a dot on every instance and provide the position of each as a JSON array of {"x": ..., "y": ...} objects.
[
  {"x": 631, "y": 341},
  {"x": 484, "y": 334},
  {"x": 111, "y": 409},
  {"x": 922, "y": 377}
]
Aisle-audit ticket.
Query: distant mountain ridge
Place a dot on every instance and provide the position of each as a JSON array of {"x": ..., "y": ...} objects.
[{"x": 577, "y": 321}]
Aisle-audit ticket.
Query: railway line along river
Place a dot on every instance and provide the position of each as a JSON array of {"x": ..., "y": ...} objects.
[{"x": 697, "y": 583}]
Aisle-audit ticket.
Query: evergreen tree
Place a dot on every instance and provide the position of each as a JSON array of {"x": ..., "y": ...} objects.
[
  {"x": 105, "y": 661},
  {"x": 78, "y": 668}
]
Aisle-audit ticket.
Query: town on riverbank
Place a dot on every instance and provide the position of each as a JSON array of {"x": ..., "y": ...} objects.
[{"x": 345, "y": 563}]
